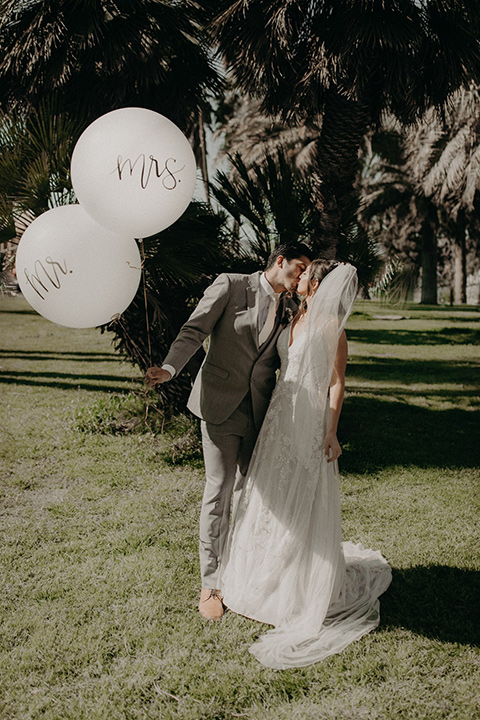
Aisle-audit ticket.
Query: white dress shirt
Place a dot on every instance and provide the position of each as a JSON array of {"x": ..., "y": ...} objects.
[{"x": 269, "y": 300}]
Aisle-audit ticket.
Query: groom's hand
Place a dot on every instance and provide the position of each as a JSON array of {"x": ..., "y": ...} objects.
[{"x": 156, "y": 376}]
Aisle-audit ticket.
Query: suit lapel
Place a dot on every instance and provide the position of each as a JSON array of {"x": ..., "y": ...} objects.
[{"x": 285, "y": 308}]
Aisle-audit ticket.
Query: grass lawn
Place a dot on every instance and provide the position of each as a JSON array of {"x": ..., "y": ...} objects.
[{"x": 99, "y": 576}]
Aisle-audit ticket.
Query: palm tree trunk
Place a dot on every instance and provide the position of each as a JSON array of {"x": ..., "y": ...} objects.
[
  {"x": 203, "y": 155},
  {"x": 460, "y": 260},
  {"x": 429, "y": 263},
  {"x": 344, "y": 124}
]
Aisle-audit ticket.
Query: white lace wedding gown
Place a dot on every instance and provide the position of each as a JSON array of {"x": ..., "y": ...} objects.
[{"x": 285, "y": 563}]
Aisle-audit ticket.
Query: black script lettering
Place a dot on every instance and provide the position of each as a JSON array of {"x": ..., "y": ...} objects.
[
  {"x": 169, "y": 181},
  {"x": 48, "y": 275},
  {"x": 121, "y": 167}
]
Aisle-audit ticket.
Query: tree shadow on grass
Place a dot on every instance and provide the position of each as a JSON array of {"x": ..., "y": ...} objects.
[
  {"x": 436, "y": 601},
  {"x": 69, "y": 381},
  {"x": 45, "y": 355},
  {"x": 384, "y": 369},
  {"x": 443, "y": 336},
  {"x": 380, "y": 433}
]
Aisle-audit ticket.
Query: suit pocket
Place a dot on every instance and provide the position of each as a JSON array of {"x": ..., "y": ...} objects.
[{"x": 215, "y": 370}]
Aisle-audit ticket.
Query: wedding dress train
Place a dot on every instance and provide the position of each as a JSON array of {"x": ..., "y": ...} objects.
[{"x": 285, "y": 563}]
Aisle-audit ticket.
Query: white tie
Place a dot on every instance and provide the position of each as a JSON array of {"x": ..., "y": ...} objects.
[{"x": 270, "y": 320}]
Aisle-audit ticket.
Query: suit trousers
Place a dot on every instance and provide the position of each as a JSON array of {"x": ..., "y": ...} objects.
[{"x": 227, "y": 449}]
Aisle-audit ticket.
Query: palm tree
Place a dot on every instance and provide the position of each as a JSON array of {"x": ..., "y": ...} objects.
[
  {"x": 348, "y": 61},
  {"x": 443, "y": 159},
  {"x": 108, "y": 54},
  {"x": 397, "y": 211},
  {"x": 423, "y": 182},
  {"x": 96, "y": 57}
]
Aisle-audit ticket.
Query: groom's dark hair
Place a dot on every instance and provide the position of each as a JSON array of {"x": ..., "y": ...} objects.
[{"x": 289, "y": 251}]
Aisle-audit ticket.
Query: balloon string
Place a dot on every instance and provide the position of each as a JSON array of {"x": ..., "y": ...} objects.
[
  {"x": 118, "y": 319},
  {"x": 145, "y": 301}
]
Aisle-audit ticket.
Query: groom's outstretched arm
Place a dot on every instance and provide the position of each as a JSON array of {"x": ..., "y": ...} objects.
[{"x": 192, "y": 334}]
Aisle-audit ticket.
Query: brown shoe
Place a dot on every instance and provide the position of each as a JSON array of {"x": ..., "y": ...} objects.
[{"x": 210, "y": 605}]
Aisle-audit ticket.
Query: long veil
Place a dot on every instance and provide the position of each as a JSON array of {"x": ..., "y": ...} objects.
[
  {"x": 327, "y": 315},
  {"x": 335, "y": 599}
]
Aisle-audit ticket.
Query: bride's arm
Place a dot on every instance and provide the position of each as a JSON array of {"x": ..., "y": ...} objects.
[{"x": 337, "y": 391}]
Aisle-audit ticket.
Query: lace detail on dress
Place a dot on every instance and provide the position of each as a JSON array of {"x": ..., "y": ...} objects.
[
  {"x": 280, "y": 418},
  {"x": 282, "y": 499}
]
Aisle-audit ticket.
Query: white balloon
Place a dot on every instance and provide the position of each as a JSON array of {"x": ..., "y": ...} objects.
[
  {"x": 74, "y": 271},
  {"x": 134, "y": 171}
]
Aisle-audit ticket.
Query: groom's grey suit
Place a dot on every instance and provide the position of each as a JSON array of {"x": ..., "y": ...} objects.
[{"x": 230, "y": 394}]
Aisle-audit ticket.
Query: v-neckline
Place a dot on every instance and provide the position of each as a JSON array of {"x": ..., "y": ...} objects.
[{"x": 291, "y": 339}]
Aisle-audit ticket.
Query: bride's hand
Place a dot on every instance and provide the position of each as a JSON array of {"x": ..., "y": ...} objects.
[{"x": 332, "y": 447}]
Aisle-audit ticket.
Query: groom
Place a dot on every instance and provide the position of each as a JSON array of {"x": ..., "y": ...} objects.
[{"x": 243, "y": 315}]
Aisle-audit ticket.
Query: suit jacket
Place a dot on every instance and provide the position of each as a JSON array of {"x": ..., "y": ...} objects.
[{"x": 234, "y": 364}]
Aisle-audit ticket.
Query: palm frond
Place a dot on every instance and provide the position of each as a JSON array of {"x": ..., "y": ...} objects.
[
  {"x": 398, "y": 56},
  {"x": 270, "y": 198},
  {"x": 35, "y": 151},
  {"x": 98, "y": 56},
  {"x": 396, "y": 283}
]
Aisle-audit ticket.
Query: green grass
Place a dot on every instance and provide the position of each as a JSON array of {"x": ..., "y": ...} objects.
[{"x": 99, "y": 576}]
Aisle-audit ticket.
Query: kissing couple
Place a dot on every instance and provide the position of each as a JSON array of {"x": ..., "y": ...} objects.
[{"x": 270, "y": 524}]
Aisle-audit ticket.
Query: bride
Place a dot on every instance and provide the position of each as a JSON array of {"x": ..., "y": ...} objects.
[{"x": 285, "y": 563}]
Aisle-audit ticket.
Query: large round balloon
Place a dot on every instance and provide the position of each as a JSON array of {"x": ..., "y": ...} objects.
[
  {"x": 134, "y": 171},
  {"x": 74, "y": 271}
]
